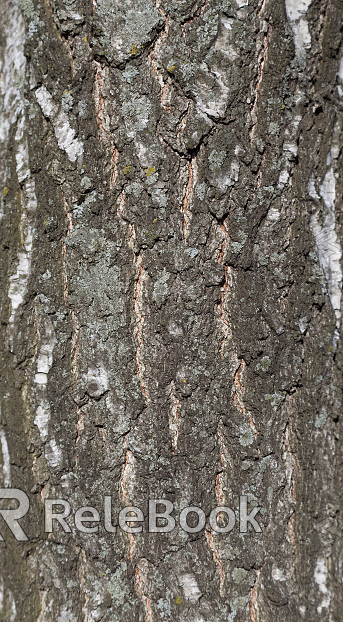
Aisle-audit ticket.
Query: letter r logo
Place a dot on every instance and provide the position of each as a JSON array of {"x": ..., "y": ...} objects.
[{"x": 11, "y": 516}]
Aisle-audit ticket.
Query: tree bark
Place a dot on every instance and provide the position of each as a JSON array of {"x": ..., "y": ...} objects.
[{"x": 171, "y": 226}]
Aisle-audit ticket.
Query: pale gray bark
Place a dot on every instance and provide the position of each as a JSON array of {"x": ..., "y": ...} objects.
[{"x": 171, "y": 289}]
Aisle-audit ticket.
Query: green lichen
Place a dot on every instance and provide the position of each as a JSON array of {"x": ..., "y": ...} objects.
[
  {"x": 86, "y": 183},
  {"x": 136, "y": 114},
  {"x": 247, "y": 437},
  {"x": 265, "y": 363},
  {"x": 161, "y": 288},
  {"x": 165, "y": 609},
  {"x": 275, "y": 398},
  {"x": 264, "y": 463},
  {"x": 117, "y": 588},
  {"x": 134, "y": 188},
  {"x": 246, "y": 464},
  {"x": 28, "y": 8},
  {"x": 216, "y": 160},
  {"x": 239, "y": 575},
  {"x": 67, "y": 101},
  {"x": 320, "y": 419},
  {"x": 82, "y": 106},
  {"x": 200, "y": 191}
]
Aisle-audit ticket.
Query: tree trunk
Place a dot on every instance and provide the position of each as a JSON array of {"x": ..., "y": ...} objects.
[{"x": 171, "y": 289}]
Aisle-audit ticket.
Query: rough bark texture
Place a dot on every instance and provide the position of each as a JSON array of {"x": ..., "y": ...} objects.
[{"x": 171, "y": 290}]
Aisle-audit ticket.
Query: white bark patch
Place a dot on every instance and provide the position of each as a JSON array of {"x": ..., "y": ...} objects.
[
  {"x": 223, "y": 42},
  {"x": 311, "y": 187},
  {"x": 18, "y": 280},
  {"x": 332, "y": 155},
  {"x": 17, "y": 287},
  {"x": 53, "y": 454},
  {"x": 143, "y": 154},
  {"x": 340, "y": 69},
  {"x": 6, "y": 469},
  {"x": 212, "y": 88},
  {"x": 190, "y": 588},
  {"x": 12, "y": 69},
  {"x": 42, "y": 419},
  {"x": 12, "y": 72},
  {"x": 278, "y": 575},
  {"x": 296, "y": 11},
  {"x": 328, "y": 189},
  {"x": 174, "y": 417},
  {"x": 283, "y": 179},
  {"x": 328, "y": 244},
  {"x": 290, "y": 150},
  {"x": 7, "y": 603},
  {"x": 213, "y": 101},
  {"x": 22, "y": 154},
  {"x": 340, "y": 77},
  {"x": 128, "y": 478},
  {"x": 96, "y": 381},
  {"x": 320, "y": 577},
  {"x": 64, "y": 133},
  {"x": 274, "y": 214},
  {"x": 44, "y": 360},
  {"x": 12, "y": 75}
]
